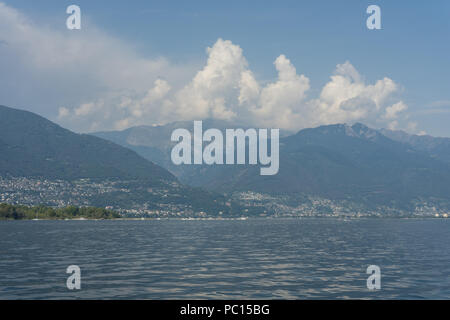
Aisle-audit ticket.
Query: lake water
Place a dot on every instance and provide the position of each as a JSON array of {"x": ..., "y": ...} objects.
[{"x": 251, "y": 259}]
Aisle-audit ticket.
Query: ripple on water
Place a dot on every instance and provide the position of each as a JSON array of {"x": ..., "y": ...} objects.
[{"x": 253, "y": 259}]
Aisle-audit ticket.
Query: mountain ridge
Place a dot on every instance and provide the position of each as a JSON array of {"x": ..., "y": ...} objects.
[
  {"x": 337, "y": 162},
  {"x": 60, "y": 153},
  {"x": 43, "y": 163},
  {"x": 437, "y": 147}
]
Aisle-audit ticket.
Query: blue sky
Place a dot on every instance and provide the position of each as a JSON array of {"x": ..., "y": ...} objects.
[{"x": 412, "y": 48}]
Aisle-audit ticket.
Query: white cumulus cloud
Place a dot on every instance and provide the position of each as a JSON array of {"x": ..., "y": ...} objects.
[
  {"x": 96, "y": 82},
  {"x": 225, "y": 88}
]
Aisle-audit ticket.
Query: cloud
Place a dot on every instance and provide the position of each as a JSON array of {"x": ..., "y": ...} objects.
[
  {"x": 93, "y": 81},
  {"x": 280, "y": 101},
  {"x": 393, "y": 111},
  {"x": 212, "y": 92},
  {"x": 225, "y": 88},
  {"x": 44, "y": 68},
  {"x": 346, "y": 97}
]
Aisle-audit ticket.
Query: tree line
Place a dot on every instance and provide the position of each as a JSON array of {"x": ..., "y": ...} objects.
[{"x": 20, "y": 212}]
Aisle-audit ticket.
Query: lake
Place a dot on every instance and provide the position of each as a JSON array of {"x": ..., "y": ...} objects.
[{"x": 311, "y": 258}]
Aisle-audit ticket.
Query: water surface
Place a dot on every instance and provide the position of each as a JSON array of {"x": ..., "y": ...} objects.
[{"x": 252, "y": 259}]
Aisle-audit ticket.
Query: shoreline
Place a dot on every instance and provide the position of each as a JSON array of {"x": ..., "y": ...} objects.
[{"x": 236, "y": 219}]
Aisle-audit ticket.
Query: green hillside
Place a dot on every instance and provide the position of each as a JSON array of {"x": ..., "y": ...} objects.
[{"x": 31, "y": 145}]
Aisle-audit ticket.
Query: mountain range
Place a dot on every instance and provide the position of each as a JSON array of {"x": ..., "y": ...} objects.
[
  {"x": 438, "y": 148},
  {"x": 323, "y": 170},
  {"x": 34, "y": 146},
  {"x": 86, "y": 170},
  {"x": 355, "y": 164}
]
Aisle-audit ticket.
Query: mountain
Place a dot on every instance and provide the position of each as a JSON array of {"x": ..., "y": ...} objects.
[
  {"x": 340, "y": 163},
  {"x": 153, "y": 142},
  {"x": 33, "y": 146},
  {"x": 43, "y": 163},
  {"x": 438, "y": 148}
]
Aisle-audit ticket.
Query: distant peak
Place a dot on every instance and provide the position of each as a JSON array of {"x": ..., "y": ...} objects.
[
  {"x": 362, "y": 131},
  {"x": 360, "y": 126},
  {"x": 357, "y": 130}
]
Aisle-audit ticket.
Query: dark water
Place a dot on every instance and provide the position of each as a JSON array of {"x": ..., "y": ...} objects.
[{"x": 253, "y": 259}]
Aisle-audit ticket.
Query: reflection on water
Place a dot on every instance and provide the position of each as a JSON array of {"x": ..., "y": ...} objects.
[{"x": 252, "y": 259}]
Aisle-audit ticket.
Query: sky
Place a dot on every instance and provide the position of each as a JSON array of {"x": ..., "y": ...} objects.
[{"x": 285, "y": 64}]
